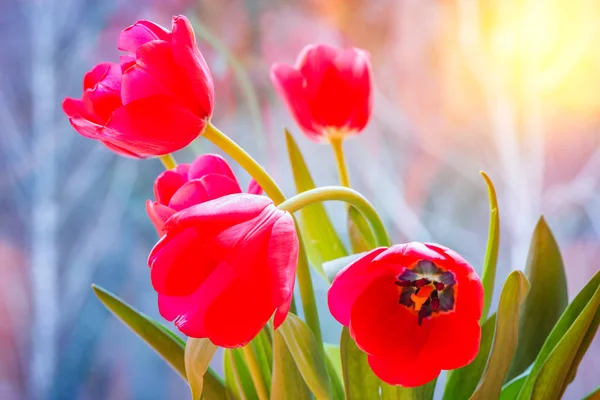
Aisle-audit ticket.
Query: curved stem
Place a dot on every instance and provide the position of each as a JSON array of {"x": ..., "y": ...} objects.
[
  {"x": 305, "y": 286},
  {"x": 347, "y": 195},
  {"x": 338, "y": 150},
  {"x": 254, "y": 368},
  {"x": 168, "y": 161},
  {"x": 246, "y": 161}
]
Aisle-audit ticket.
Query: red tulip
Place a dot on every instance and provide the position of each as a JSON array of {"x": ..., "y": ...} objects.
[
  {"x": 413, "y": 308},
  {"x": 207, "y": 178},
  {"x": 328, "y": 91},
  {"x": 225, "y": 267},
  {"x": 156, "y": 102}
]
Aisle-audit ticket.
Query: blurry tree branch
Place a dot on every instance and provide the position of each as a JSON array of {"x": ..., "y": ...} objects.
[{"x": 88, "y": 251}]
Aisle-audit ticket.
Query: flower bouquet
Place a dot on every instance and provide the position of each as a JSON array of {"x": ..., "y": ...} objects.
[{"x": 228, "y": 259}]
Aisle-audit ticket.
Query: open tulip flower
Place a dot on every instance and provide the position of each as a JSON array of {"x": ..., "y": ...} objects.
[
  {"x": 156, "y": 102},
  {"x": 225, "y": 267},
  {"x": 207, "y": 178},
  {"x": 226, "y": 264},
  {"x": 414, "y": 308},
  {"x": 328, "y": 91}
]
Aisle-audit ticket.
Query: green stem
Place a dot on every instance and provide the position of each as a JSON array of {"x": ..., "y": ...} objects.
[
  {"x": 254, "y": 368},
  {"x": 246, "y": 161},
  {"x": 168, "y": 161},
  {"x": 305, "y": 286},
  {"x": 338, "y": 150},
  {"x": 347, "y": 195}
]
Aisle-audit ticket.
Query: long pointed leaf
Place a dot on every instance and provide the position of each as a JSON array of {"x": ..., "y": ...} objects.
[
  {"x": 423, "y": 392},
  {"x": 287, "y": 380},
  {"x": 309, "y": 359},
  {"x": 462, "y": 382},
  {"x": 359, "y": 232},
  {"x": 595, "y": 395},
  {"x": 359, "y": 380},
  {"x": 505, "y": 338},
  {"x": 491, "y": 252},
  {"x": 320, "y": 238},
  {"x": 546, "y": 274},
  {"x": 164, "y": 342},
  {"x": 198, "y": 354},
  {"x": 237, "y": 377},
  {"x": 552, "y": 380},
  {"x": 565, "y": 322},
  {"x": 511, "y": 390}
]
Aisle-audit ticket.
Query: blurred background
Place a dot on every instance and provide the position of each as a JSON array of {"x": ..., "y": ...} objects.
[{"x": 508, "y": 86}]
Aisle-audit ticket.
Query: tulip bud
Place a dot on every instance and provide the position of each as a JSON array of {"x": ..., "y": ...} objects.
[
  {"x": 328, "y": 91},
  {"x": 156, "y": 102}
]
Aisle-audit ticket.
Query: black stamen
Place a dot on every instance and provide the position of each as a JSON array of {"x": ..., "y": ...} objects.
[
  {"x": 439, "y": 286},
  {"x": 435, "y": 304},
  {"x": 422, "y": 282},
  {"x": 403, "y": 283}
]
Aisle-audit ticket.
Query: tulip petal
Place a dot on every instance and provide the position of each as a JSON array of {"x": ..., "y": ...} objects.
[
  {"x": 158, "y": 214},
  {"x": 282, "y": 257},
  {"x": 198, "y": 191},
  {"x": 79, "y": 118},
  {"x": 134, "y": 36},
  {"x": 354, "y": 72},
  {"x": 382, "y": 326},
  {"x": 155, "y": 125},
  {"x": 210, "y": 164},
  {"x": 126, "y": 62},
  {"x": 349, "y": 283},
  {"x": 97, "y": 74},
  {"x": 405, "y": 371},
  {"x": 241, "y": 310},
  {"x": 290, "y": 83},
  {"x": 188, "y": 311},
  {"x": 192, "y": 63},
  {"x": 406, "y": 255},
  {"x": 156, "y": 73},
  {"x": 121, "y": 151},
  {"x": 181, "y": 265},
  {"x": 454, "y": 340},
  {"x": 167, "y": 184},
  {"x": 220, "y": 213},
  {"x": 254, "y": 188},
  {"x": 315, "y": 60}
]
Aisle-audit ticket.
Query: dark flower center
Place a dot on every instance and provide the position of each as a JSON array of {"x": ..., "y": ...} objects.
[{"x": 426, "y": 289}]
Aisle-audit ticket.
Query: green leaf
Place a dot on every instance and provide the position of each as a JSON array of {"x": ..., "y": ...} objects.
[
  {"x": 423, "y": 392},
  {"x": 585, "y": 344},
  {"x": 595, "y": 395},
  {"x": 359, "y": 380},
  {"x": 462, "y": 382},
  {"x": 359, "y": 231},
  {"x": 168, "y": 345},
  {"x": 332, "y": 351},
  {"x": 237, "y": 376},
  {"x": 505, "y": 338},
  {"x": 511, "y": 390},
  {"x": 261, "y": 345},
  {"x": 337, "y": 389},
  {"x": 198, "y": 354},
  {"x": 552, "y": 380},
  {"x": 491, "y": 252},
  {"x": 309, "y": 357},
  {"x": 320, "y": 238},
  {"x": 566, "y": 321},
  {"x": 170, "y": 349},
  {"x": 546, "y": 274},
  {"x": 287, "y": 380}
]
